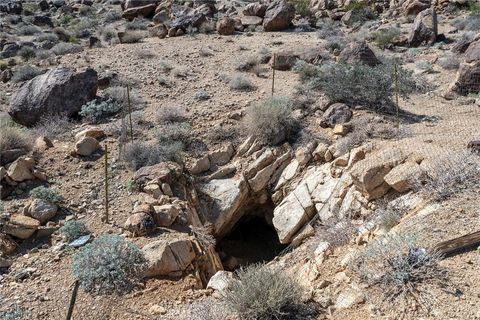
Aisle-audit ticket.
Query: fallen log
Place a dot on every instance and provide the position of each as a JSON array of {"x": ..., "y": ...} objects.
[{"x": 457, "y": 245}]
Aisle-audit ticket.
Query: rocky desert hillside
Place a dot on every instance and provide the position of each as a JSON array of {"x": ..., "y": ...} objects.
[{"x": 210, "y": 160}]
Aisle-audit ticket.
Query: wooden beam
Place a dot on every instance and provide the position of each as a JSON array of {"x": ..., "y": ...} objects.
[{"x": 457, "y": 245}]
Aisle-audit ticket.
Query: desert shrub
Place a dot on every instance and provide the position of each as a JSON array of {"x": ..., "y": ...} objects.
[
  {"x": 334, "y": 43},
  {"x": 271, "y": 120},
  {"x": 141, "y": 154},
  {"x": 137, "y": 24},
  {"x": 170, "y": 114},
  {"x": 424, "y": 65},
  {"x": 205, "y": 52},
  {"x": 26, "y": 72},
  {"x": 402, "y": 272},
  {"x": 81, "y": 28},
  {"x": 202, "y": 94},
  {"x": 384, "y": 38},
  {"x": 73, "y": 229},
  {"x": 47, "y": 37},
  {"x": 112, "y": 16},
  {"x": 108, "y": 34},
  {"x": 470, "y": 23},
  {"x": 169, "y": 132},
  {"x": 448, "y": 175},
  {"x": 207, "y": 26},
  {"x": 240, "y": 82},
  {"x": 118, "y": 93},
  {"x": 473, "y": 7},
  {"x": 133, "y": 36},
  {"x": 204, "y": 309},
  {"x": 302, "y": 7},
  {"x": 51, "y": 195},
  {"x": 246, "y": 63},
  {"x": 43, "y": 54},
  {"x": 28, "y": 30},
  {"x": 164, "y": 66},
  {"x": 53, "y": 126},
  {"x": 26, "y": 53},
  {"x": 336, "y": 231},
  {"x": 16, "y": 314},
  {"x": 356, "y": 5},
  {"x": 262, "y": 294},
  {"x": 449, "y": 62},
  {"x": 180, "y": 72},
  {"x": 360, "y": 84},
  {"x": 13, "y": 136},
  {"x": 328, "y": 28},
  {"x": 146, "y": 54},
  {"x": 109, "y": 264},
  {"x": 98, "y": 109},
  {"x": 63, "y": 48}
]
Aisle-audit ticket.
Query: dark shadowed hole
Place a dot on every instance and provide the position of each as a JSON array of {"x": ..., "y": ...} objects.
[{"x": 252, "y": 240}]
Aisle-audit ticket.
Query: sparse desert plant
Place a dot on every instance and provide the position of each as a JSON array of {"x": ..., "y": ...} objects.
[
  {"x": 202, "y": 94},
  {"x": 425, "y": 66},
  {"x": 98, "y": 109},
  {"x": 262, "y": 294},
  {"x": 108, "y": 34},
  {"x": 338, "y": 232},
  {"x": 145, "y": 54},
  {"x": 73, "y": 229},
  {"x": 241, "y": 82},
  {"x": 164, "y": 66},
  {"x": 207, "y": 26},
  {"x": 335, "y": 43},
  {"x": 170, "y": 114},
  {"x": 112, "y": 16},
  {"x": 328, "y": 28},
  {"x": 133, "y": 36},
  {"x": 28, "y": 30},
  {"x": 13, "y": 136},
  {"x": 246, "y": 63},
  {"x": 473, "y": 7},
  {"x": 205, "y": 309},
  {"x": 271, "y": 120},
  {"x": 109, "y": 264},
  {"x": 360, "y": 84},
  {"x": 205, "y": 51},
  {"x": 470, "y": 23},
  {"x": 448, "y": 175},
  {"x": 50, "y": 37},
  {"x": 137, "y": 24},
  {"x": 63, "y": 48},
  {"x": 51, "y": 195},
  {"x": 118, "y": 93},
  {"x": 355, "y": 5},
  {"x": 16, "y": 314},
  {"x": 449, "y": 62},
  {"x": 402, "y": 273},
  {"x": 170, "y": 132},
  {"x": 53, "y": 126},
  {"x": 27, "y": 53},
  {"x": 384, "y": 38},
  {"x": 82, "y": 27},
  {"x": 302, "y": 7},
  {"x": 180, "y": 72},
  {"x": 26, "y": 72},
  {"x": 43, "y": 54}
]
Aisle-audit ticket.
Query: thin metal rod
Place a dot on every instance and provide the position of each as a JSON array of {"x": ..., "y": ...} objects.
[
  {"x": 73, "y": 298},
  {"x": 130, "y": 112},
  {"x": 106, "y": 183}
]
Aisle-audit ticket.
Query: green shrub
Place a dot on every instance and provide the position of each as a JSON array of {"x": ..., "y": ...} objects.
[
  {"x": 142, "y": 154},
  {"x": 63, "y": 48},
  {"x": 13, "y": 136},
  {"x": 108, "y": 34},
  {"x": 271, "y": 120},
  {"x": 50, "y": 37},
  {"x": 302, "y": 7},
  {"x": 82, "y": 27},
  {"x": 360, "y": 84},
  {"x": 403, "y": 273},
  {"x": 51, "y": 195},
  {"x": 137, "y": 24},
  {"x": 355, "y": 5},
  {"x": 98, "y": 109},
  {"x": 112, "y": 16},
  {"x": 262, "y": 294},
  {"x": 28, "y": 30},
  {"x": 73, "y": 229},
  {"x": 16, "y": 314},
  {"x": 25, "y": 73},
  {"x": 473, "y": 7},
  {"x": 109, "y": 264}
]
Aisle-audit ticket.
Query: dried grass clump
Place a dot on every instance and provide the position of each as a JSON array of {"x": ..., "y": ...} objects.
[
  {"x": 240, "y": 82},
  {"x": 403, "y": 274},
  {"x": 13, "y": 136}
]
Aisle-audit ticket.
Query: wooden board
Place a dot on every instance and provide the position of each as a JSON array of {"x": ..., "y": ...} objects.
[{"x": 457, "y": 245}]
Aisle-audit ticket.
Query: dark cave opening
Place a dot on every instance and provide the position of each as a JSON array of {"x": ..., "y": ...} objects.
[{"x": 252, "y": 240}]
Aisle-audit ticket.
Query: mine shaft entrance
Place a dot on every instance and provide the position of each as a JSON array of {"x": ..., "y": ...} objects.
[{"x": 253, "y": 239}]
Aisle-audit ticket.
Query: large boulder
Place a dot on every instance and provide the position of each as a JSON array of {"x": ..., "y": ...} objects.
[
  {"x": 403, "y": 177},
  {"x": 286, "y": 59},
  {"x": 144, "y": 11},
  {"x": 163, "y": 172},
  {"x": 278, "y": 16},
  {"x": 222, "y": 201},
  {"x": 359, "y": 52},
  {"x": 255, "y": 9},
  {"x": 58, "y": 91},
  {"x": 168, "y": 257},
  {"x": 369, "y": 174},
  {"x": 468, "y": 79},
  {"x": 337, "y": 113},
  {"x": 414, "y": 7},
  {"x": 424, "y": 29},
  {"x": 41, "y": 210},
  {"x": 11, "y": 6},
  {"x": 140, "y": 223},
  {"x": 226, "y": 26},
  {"x": 472, "y": 54},
  {"x": 139, "y": 3}
]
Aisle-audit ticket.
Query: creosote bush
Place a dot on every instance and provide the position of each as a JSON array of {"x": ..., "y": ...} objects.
[
  {"x": 51, "y": 195},
  {"x": 73, "y": 229},
  {"x": 384, "y": 38},
  {"x": 358, "y": 83},
  {"x": 271, "y": 120},
  {"x": 63, "y": 48},
  {"x": 241, "y": 82},
  {"x": 403, "y": 273},
  {"x": 109, "y": 264},
  {"x": 262, "y": 294}
]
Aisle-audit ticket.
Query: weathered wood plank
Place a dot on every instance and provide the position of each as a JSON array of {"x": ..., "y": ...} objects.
[{"x": 454, "y": 246}]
